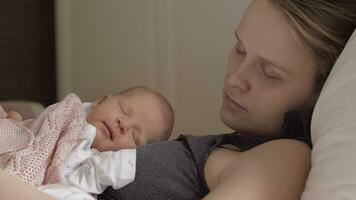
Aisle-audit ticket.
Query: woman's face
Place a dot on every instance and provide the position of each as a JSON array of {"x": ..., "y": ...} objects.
[{"x": 268, "y": 73}]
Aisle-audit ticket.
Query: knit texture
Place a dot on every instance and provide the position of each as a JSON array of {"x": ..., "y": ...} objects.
[{"x": 35, "y": 150}]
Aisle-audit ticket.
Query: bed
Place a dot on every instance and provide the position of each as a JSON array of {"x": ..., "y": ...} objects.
[
  {"x": 333, "y": 131},
  {"x": 28, "y": 109}
]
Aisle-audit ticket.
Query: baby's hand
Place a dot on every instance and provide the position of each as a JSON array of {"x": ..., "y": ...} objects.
[
  {"x": 11, "y": 115},
  {"x": 15, "y": 116}
]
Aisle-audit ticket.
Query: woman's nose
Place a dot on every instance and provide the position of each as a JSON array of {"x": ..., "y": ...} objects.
[{"x": 238, "y": 78}]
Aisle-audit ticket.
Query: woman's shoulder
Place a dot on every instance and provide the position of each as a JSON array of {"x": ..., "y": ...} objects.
[
  {"x": 276, "y": 169},
  {"x": 281, "y": 150},
  {"x": 282, "y": 164}
]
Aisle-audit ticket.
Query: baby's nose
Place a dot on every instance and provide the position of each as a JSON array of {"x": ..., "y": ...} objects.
[{"x": 122, "y": 126}]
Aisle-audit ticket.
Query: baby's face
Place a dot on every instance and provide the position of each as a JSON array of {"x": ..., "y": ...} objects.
[{"x": 126, "y": 121}]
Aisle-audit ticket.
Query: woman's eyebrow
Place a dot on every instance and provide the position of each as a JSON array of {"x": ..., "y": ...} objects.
[{"x": 279, "y": 67}]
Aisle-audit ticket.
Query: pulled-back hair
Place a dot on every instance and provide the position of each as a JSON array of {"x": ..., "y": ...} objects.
[{"x": 322, "y": 26}]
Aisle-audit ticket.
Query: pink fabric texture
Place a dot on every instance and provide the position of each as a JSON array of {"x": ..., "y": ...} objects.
[{"x": 35, "y": 150}]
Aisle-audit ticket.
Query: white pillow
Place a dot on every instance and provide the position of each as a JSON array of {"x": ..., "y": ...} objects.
[{"x": 333, "y": 131}]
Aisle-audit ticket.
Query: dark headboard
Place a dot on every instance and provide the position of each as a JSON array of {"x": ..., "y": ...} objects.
[{"x": 27, "y": 51}]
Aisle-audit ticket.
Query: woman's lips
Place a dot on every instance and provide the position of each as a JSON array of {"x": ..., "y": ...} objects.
[
  {"x": 231, "y": 104},
  {"x": 108, "y": 130}
]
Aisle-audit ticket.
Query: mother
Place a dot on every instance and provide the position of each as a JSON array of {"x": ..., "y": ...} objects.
[{"x": 284, "y": 52}]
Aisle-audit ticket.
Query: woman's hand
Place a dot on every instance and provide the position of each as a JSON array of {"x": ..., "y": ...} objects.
[{"x": 12, "y": 188}]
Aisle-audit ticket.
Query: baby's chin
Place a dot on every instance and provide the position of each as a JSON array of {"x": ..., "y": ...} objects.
[
  {"x": 94, "y": 145},
  {"x": 97, "y": 144}
]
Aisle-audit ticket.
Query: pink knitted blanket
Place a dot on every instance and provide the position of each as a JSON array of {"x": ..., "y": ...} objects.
[{"x": 35, "y": 150}]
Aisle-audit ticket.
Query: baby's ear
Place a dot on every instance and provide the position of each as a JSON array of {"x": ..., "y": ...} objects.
[{"x": 99, "y": 101}]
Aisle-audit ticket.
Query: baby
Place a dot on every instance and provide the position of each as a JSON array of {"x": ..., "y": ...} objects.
[{"x": 131, "y": 118}]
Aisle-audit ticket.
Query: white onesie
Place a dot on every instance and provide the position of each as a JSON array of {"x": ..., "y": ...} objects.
[{"x": 90, "y": 171}]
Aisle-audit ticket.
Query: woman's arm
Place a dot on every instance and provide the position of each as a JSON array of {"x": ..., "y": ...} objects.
[
  {"x": 275, "y": 170},
  {"x": 13, "y": 188}
]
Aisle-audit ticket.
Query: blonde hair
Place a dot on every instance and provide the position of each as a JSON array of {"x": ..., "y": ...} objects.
[
  {"x": 167, "y": 109},
  {"x": 322, "y": 26}
]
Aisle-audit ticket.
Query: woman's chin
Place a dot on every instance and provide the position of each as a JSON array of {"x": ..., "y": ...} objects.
[
  {"x": 237, "y": 123},
  {"x": 229, "y": 120}
]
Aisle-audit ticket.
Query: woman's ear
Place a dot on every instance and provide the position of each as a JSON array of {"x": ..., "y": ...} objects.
[{"x": 312, "y": 102}]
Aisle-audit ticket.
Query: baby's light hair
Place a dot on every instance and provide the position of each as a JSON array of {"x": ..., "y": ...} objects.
[{"x": 166, "y": 107}]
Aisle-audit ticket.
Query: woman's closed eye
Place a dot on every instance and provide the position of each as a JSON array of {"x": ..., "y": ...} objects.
[{"x": 267, "y": 72}]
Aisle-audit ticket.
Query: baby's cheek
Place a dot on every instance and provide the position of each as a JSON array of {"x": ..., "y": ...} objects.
[{"x": 123, "y": 143}]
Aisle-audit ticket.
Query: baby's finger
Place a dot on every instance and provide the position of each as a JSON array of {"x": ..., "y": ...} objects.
[{"x": 15, "y": 116}]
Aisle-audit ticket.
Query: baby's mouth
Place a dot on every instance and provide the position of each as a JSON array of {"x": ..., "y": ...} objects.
[{"x": 108, "y": 130}]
